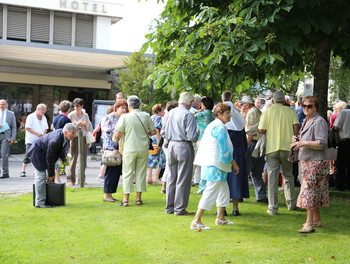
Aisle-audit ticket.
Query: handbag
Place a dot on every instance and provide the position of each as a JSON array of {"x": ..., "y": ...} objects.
[
  {"x": 293, "y": 155},
  {"x": 55, "y": 194},
  {"x": 150, "y": 141},
  {"x": 333, "y": 138},
  {"x": 90, "y": 139},
  {"x": 111, "y": 157}
]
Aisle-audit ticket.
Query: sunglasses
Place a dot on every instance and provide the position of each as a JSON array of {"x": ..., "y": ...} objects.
[{"x": 308, "y": 106}]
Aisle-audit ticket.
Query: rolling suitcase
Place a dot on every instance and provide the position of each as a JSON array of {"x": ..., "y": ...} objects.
[{"x": 55, "y": 194}]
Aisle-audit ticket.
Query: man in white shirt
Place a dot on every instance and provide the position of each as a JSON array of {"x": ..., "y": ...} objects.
[
  {"x": 36, "y": 126},
  {"x": 8, "y": 130}
]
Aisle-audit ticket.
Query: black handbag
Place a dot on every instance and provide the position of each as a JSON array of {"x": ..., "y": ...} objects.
[
  {"x": 55, "y": 194},
  {"x": 333, "y": 138}
]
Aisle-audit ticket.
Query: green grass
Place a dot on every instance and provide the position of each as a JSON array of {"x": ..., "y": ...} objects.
[{"x": 87, "y": 230}]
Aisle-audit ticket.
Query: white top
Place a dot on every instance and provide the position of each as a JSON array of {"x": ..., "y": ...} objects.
[
  {"x": 343, "y": 122},
  {"x": 37, "y": 125},
  {"x": 237, "y": 122}
]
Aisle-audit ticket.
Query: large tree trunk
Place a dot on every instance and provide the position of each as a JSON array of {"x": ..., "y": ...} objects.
[{"x": 321, "y": 74}]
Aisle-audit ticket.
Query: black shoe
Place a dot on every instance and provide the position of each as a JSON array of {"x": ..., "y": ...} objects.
[
  {"x": 225, "y": 213},
  {"x": 43, "y": 206},
  {"x": 235, "y": 213},
  {"x": 261, "y": 201},
  {"x": 4, "y": 177}
]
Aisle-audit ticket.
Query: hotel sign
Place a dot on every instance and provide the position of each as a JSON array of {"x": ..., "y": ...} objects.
[{"x": 91, "y": 6}]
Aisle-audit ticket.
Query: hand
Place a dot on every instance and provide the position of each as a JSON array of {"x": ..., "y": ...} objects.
[
  {"x": 235, "y": 167},
  {"x": 295, "y": 139},
  {"x": 12, "y": 141},
  {"x": 50, "y": 179},
  {"x": 297, "y": 145}
]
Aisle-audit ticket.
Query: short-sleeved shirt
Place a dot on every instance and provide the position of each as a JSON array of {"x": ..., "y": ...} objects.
[
  {"x": 253, "y": 118},
  {"x": 135, "y": 136},
  {"x": 343, "y": 122},
  {"x": 37, "y": 125},
  {"x": 278, "y": 121},
  {"x": 203, "y": 119},
  {"x": 73, "y": 116}
]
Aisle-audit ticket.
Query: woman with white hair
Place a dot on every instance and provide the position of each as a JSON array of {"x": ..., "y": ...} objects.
[{"x": 135, "y": 127}]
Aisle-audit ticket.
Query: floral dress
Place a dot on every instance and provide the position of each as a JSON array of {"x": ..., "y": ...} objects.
[{"x": 159, "y": 160}]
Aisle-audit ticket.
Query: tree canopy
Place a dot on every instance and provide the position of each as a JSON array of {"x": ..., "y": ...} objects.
[{"x": 209, "y": 46}]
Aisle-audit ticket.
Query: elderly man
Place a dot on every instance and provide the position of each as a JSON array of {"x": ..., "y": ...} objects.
[
  {"x": 119, "y": 96},
  {"x": 196, "y": 104},
  {"x": 36, "y": 126},
  {"x": 135, "y": 126},
  {"x": 44, "y": 153},
  {"x": 255, "y": 165},
  {"x": 8, "y": 130},
  {"x": 279, "y": 123},
  {"x": 180, "y": 130},
  {"x": 342, "y": 124}
]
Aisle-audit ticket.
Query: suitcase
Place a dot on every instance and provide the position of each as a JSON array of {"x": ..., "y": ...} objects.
[{"x": 55, "y": 194}]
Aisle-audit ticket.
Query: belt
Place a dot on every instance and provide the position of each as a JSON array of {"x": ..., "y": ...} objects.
[{"x": 1, "y": 133}]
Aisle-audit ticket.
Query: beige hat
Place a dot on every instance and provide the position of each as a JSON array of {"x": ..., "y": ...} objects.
[
  {"x": 186, "y": 98},
  {"x": 278, "y": 97},
  {"x": 247, "y": 99}
]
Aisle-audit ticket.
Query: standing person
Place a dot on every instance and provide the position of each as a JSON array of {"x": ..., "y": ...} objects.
[
  {"x": 81, "y": 120},
  {"x": 44, "y": 153},
  {"x": 279, "y": 123},
  {"x": 157, "y": 161},
  {"x": 119, "y": 96},
  {"x": 112, "y": 173},
  {"x": 314, "y": 164},
  {"x": 8, "y": 130},
  {"x": 58, "y": 122},
  {"x": 36, "y": 126},
  {"x": 342, "y": 125},
  {"x": 180, "y": 130},
  {"x": 238, "y": 183},
  {"x": 203, "y": 117},
  {"x": 215, "y": 158},
  {"x": 255, "y": 165},
  {"x": 135, "y": 127}
]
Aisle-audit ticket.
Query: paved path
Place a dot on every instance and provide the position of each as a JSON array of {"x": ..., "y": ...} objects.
[{"x": 18, "y": 184}]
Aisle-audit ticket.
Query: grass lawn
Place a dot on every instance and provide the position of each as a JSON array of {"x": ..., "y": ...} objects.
[{"x": 88, "y": 230}]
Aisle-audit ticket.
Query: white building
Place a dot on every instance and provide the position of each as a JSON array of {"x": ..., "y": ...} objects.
[{"x": 52, "y": 50}]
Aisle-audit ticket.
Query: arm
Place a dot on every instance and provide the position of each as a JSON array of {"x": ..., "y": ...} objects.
[
  {"x": 296, "y": 129},
  {"x": 13, "y": 127},
  {"x": 152, "y": 132},
  {"x": 262, "y": 131},
  {"x": 34, "y": 132}
]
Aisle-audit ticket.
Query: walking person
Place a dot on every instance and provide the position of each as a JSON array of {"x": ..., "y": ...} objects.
[{"x": 8, "y": 131}]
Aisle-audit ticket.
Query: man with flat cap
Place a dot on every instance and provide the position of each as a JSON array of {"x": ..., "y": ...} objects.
[{"x": 180, "y": 129}]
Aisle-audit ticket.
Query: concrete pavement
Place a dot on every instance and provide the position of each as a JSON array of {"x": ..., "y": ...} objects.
[{"x": 18, "y": 184}]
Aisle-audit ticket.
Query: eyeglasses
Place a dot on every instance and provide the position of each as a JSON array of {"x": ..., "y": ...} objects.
[{"x": 308, "y": 106}]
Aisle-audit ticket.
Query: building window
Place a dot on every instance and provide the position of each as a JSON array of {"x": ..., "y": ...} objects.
[
  {"x": 62, "y": 32},
  {"x": 40, "y": 26},
  {"x": 84, "y": 31},
  {"x": 16, "y": 23},
  {"x": 1, "y": 21}
]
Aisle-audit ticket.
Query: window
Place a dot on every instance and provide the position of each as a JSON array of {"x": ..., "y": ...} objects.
[
  {"x": 1, "y": 21},
  {"x": 62, "y": 32},
  {"x": 16, "y": 23},
  {"x": 40, "y": 26},
  {"x": 84, "y": 31}
]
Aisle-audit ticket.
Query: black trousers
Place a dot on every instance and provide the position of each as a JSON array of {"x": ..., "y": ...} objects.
[
  {"x": 112, "y": 178},
  {"x": 342, "y": 179}
]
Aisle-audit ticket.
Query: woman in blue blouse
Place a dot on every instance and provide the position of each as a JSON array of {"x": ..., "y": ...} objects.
[
  {"x": 215, "y": 157},
  {"x": 112, "y": 172}
]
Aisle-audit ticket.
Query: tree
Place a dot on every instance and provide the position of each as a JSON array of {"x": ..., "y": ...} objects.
[
  {"x": 132, "y": 77},
  {"x": 208, "y": 46},
  {"x": 340, "y": 77}
]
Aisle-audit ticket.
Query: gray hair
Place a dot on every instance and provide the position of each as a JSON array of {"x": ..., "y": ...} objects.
[
  {"x": 197, "y": 98},
  {"x": 226, "y": 96},
  {"x": 41, "y": 106},
  {"x": 69, "y": 127},
  {"x": 65, "y": 106},
  {"x": 134, "y": 102}
]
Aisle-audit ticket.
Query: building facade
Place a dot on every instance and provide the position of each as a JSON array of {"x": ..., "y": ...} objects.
[{"x": 52, "y": 50}]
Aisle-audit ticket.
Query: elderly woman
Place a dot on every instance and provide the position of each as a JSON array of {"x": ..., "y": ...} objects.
[
  {"x": 215, "y": 157},
  {"x": 314, "y": 165},
  {"x": 112, "y": 173},
  {"x": 81, "y": 120},
  {"x": 135, "y": 126}
]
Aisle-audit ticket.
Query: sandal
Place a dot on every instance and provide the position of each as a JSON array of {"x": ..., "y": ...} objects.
[
  {"x": 124, "y": 203},
  {"x": 69, "y": 184},
  {"x": 306, "y": 229},
  {"x": 139, "y": 202},
  {"x": 223, "y": 222},
  {"x": 195, "y": 226}
]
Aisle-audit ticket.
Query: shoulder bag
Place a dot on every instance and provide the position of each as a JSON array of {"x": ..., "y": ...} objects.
[
  {"x": 151, "y": 149},
  {"x": 111, "y": 157}
]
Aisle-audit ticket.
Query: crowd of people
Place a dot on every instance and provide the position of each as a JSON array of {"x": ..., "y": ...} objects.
[{"x": 197, "y": 142}]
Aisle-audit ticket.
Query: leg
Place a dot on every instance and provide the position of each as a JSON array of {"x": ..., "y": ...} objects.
[
  {"x": 40, "y": 187},
  {"x": 259, "y": 185},
  {"x": 149, "y": 175},
  {"x": 288, "y": 180},
  {"x": 172, "y": 164},
  {"x": 73, "y": 149},
  {"x": 222, "y": 200},
  {"x": 129, "y": 161},
  {"x": 140, "y": 170},
  {"x": 5, "y": 152},
  {"x": 273, "y": 170}
]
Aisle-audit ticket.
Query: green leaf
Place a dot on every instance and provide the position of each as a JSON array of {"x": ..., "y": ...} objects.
[{"x": 270, "y": 59}]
